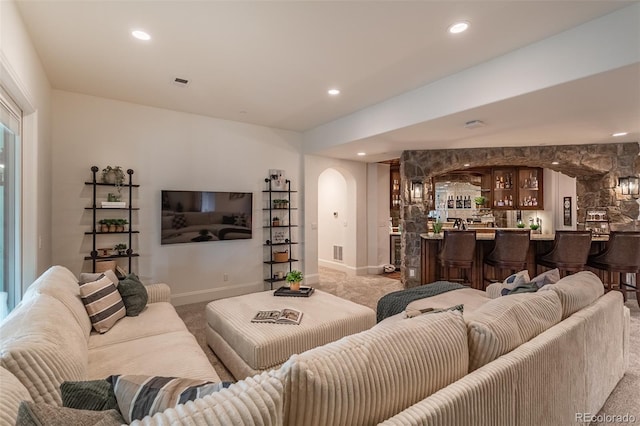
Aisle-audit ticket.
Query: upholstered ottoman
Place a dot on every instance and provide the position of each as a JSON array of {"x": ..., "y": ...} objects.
[{"x": 248, "y": 348}]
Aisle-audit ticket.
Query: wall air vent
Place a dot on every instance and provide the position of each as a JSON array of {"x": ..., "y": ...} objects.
[
  {"x": 337, "y": 253},
  {"x": 182, "y": 82}
]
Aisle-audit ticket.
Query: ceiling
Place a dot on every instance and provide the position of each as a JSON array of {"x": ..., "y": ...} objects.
[{"x": 271, "y": 63}]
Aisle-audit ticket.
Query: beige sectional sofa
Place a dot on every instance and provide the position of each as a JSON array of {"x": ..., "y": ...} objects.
[
  {"x": 538, "y": 358},
  {"x": 48, "y": 339}
]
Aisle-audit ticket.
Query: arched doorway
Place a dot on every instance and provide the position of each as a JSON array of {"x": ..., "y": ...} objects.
[{"x": 336, "y": 221}]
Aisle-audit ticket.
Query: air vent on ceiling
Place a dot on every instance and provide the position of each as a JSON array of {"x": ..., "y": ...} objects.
[
  {"x": 474, "y": 124},
  {"x": 182, "y": 82}
]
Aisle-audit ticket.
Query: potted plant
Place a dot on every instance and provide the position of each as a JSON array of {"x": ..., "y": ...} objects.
[
  {"x": 113, "y": 175},
  {"x": 437, "y": 226},
  {"x": 480, "y": 201},
  {"x": 275, "y": 221},
  {"x": 293, "y": 278},
  {"x": 120, "y": 224},
  {"x": 121, "y": 248},
  {"x": 520, "y": 224},
  {"x": 534, "y": 227},
  {"x": 104, "y": 225}
]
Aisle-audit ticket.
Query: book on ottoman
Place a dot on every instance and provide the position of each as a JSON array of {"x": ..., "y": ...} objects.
[{"x": 285, "y": 316}]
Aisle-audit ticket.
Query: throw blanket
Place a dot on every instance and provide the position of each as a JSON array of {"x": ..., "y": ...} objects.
[{"x": 396, "y": 302}]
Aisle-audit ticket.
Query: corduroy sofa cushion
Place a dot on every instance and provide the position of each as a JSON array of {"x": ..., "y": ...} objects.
[
  {"x": 577, "y": 291},
  {"x": 43, "y": 346},
  {"x": 59, "y": 282},
  {"x": 13, "y": 392},
  {"x": 503, "y": 324},
  {"x": 368, "y": 377}
]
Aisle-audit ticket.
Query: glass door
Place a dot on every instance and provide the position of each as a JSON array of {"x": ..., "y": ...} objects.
[{"x": 10, "y": 126}]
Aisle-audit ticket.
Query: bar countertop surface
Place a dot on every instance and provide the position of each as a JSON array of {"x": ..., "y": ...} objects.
[{"x": 488, "y": 234}]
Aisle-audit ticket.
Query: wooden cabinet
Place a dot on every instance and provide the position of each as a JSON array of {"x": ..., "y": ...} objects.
[
  {"x": 394, "y": 186},
  {"x": 517, "y": 188},
  {"x": 530, "y": 194},
  {"x": 505, "y": 189}
]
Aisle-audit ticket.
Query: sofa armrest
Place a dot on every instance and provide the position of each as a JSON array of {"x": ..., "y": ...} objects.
[{"x": 158, "y": 292}]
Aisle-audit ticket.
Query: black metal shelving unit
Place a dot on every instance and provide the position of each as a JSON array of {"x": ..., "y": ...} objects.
[
  {"x": 130, "y": 254},
  {"x": 270, "y": 229}
]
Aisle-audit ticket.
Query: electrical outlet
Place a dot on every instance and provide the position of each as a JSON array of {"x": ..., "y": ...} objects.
[
  {"x": 412, "y": 273},
  {"x": 225, "y": 277}
]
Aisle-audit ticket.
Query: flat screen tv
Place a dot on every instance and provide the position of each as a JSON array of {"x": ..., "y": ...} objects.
[{"x": 200, "y": 216}]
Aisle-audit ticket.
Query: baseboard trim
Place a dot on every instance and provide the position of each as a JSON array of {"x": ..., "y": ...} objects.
[
  {"x": 349, "y": 270},
  {"x": 178, "y": 299}
]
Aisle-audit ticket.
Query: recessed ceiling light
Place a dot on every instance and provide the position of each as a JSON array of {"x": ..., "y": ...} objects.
[
  {"x": 615, "y": 135},
  {"x": 333, "y": 92},
  {"x": 141, "y": 35},
  {"x": 459, "y": 27},
  {"x": 466, "y": 164},
  {"x": 362, "y": 154},
  {"x": 555, "y": 163}
]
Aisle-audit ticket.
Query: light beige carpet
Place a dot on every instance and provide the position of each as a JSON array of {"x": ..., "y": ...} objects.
[{"x": 367, "y": 290}]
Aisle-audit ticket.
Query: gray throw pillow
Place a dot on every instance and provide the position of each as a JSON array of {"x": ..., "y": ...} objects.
[
  {"x": 134, "y": 295},
  {"x": 41, "y": 414},
  {"x": 96, "y": 395},
  {"x": 531, "y": 287}
]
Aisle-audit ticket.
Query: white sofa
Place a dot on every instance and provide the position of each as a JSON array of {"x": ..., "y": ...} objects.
[
  {"x": 538, "y": 358},
  {"x": 48, "y": 339}
]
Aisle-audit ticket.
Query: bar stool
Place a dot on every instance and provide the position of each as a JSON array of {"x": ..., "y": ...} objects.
[
  {"x": 621, "y": 256},
  {"x": 509, "y": 252},
  {"x": 569, "y": 253},
  {"x": 458, "y": 251}
]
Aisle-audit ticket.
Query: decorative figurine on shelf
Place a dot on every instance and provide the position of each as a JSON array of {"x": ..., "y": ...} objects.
[{"x": 277, "y": 179}]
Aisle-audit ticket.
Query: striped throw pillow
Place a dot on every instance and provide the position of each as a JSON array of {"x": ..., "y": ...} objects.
[
  {"x": 141, "y": 396},
  {"x": 103, "y": 303}
]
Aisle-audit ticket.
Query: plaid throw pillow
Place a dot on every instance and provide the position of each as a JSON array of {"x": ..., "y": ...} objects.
[
  {"x": 179, "y": 221},
  {"x": 141, "y": 396},
  {"x": 103, "y": 303}
]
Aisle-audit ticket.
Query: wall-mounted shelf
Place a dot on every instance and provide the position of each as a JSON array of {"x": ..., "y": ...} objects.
[
  {"x": 279, "y": 235},
  {"x": 95, "y": 232}
]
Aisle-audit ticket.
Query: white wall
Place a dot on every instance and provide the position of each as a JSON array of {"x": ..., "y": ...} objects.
[
  {"x": 563, "y": 186},
  {"x": 167, "y": 150},
  {"x": 355, "y": 174},
  {"x": 333, "y": 219},
  {"x": 21, "y": 73},
  {"x": 378, "y": 213}
]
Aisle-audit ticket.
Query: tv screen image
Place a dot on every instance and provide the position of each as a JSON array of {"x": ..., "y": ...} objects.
[{"x": 200, "y": 216}]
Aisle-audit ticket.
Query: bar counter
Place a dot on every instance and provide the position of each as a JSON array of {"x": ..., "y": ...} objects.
[{"x": 540, "y": 243}]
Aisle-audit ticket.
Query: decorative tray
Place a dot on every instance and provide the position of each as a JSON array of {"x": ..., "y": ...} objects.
[{"x": 285, "y": 291}]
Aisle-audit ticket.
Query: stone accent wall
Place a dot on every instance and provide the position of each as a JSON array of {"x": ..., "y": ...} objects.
[{"x": 596, "y": 168}]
